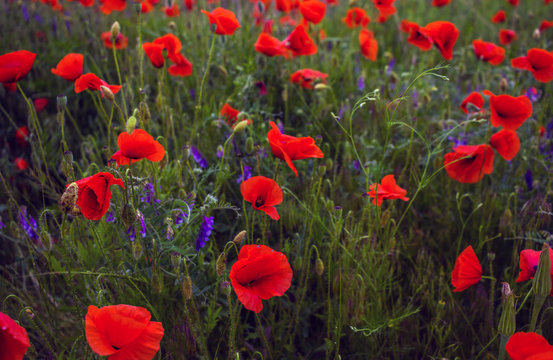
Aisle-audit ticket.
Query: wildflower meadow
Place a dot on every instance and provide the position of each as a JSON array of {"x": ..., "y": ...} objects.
[{"x": 287, "y": 179}]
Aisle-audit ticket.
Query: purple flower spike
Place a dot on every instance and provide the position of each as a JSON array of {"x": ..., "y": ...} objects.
[{"x": 205, "y": 231}]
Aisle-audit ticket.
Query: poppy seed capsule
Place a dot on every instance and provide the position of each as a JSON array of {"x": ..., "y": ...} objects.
[
  {"x": 187, "y": 287},
  {"x": 238, "y": 238},
  {"x": 542, "y": 279},
  {"x": 221, "y": 263},
  {"x": 68, "y": 199},
  {"x": 319, "y": 266},
  {"x": 507, "y": 322},
  {"x": 115, "y": 30}
]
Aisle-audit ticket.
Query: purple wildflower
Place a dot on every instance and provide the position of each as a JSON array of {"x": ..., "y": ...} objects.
[
  {"x": 205, "y": 231},
  {"x": 198, "y": 157},
  {"x": 390, "y": 66},
  {"x": 2, "y": 225},
  {"x": 142, "y": 224},
  {"x": 131, "y": 232},
  {"x": 192, "y": 94},
  {"x": 25, "y": 12},
  {"x": 147, "y": 193},
  {"x": 28, "y": 223},
  {"x": 533, "y": 94},
  {"x": 415, "y": 99},
  {"x": 38, "y": 19},
  {"x": 247, "y": 174},
  {"x": 111, "y": 217},
  {"x": 361, "y": 83},
  {"x": 262, "y": 88},
  {"x": 529, "y": 178},
  {"x": 219, "y": 151}
]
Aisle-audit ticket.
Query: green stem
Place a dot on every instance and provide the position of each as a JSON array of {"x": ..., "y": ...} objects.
[
  {"x": 269, "y": 353},
  {"x": 119, "y": 77},
  {"x": 204, "y": 79}
]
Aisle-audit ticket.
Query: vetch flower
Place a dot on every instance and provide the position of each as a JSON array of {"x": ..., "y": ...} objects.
[
  {"x": 13, "y": 339},
  {"x": 122, "y": 332},
  {"x": 198, "y": 157},
  {"x": 469, "y": 163},
  {"x": 467, "y": 270},
  {"x": 136, "y": 146},
  {"x": 205, "y": 231},
  {"x": 70, "y": 67},
  {"x": 290, "y": 148},
  {"x": 94, "y": 194},
  {"x": 28, "y": 223},
  {"x": 225, "y": 21},
  {"x": 263, "y": 193},
  {"x": 388, "y": 189},
  {"x": 259, "y": 274}
]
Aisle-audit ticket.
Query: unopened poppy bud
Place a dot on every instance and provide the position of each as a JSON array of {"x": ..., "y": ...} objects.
[
  {"x": 221, "y": 263},
  {"x": 172, "y": 26},
  {"x": 320, "y": 86},
  {"x": 157, "y": 281},
  {"x": 67, "y": 166},
  {"x": 491, "y": 256},
  {"x": 225, "y": 287},
  {"x": 30, "y": 313},
  {"x": 68, "y": 199},
  {"x": 138, "y": 7},
  {"x": 241, "y": 126},
  {"x": 175, "y": 261},
  {"x": 45, "y": 238},
  {"x": 115, "y": 30},
  {"x": 136, "y": 250},
  {"x": 238, "y": 238},
  {"x": 385, "y": 218},
  {"x": 107, "y": 93},
  {"x": 542, "y": 278},
  {"x": 322, "y": 169},
  {"x": 536, "y": 34},
  {"x": 505, "y": 220},
  {"x": 61, "y": 102},
  {"x": 213, "y": 27},
  {"x": 128, "y": 215},
  {"x": 131, "y": 124},
  {"x": 144, "y": 112},
  {"x": 261, "y": 7},
  {"x": 284, "y": 95},
  {"x": 249, "y": 145},
  {"x": 507, "y": 322},
  {"x": 319, "y": 266},
  {"x": 503, "y": 85},
  {"x": 329, "y": 164},
  {"x": 187, "y": 287}
]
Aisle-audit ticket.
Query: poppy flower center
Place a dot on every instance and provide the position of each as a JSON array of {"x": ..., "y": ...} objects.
[{"x": 259, "y": 202}]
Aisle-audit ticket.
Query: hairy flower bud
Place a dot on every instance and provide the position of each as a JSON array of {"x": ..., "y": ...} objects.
[
  {"x": 136, "y": 250},
  {"x": 238, "y": 238},
  {"x": 68, "y": 199},
  {"x": 241, "y": 126},
  {"x": 542, "y": 279},
  {"x": 115, "y": 30},
  {"x": 187, "y": 287},
  {"x": 319, "y": 266},
  {"x": 175, "y": 261},
  {"x": 507, "y": 322},
  {"x": 221, "y": 263},
  {"x": 249, "y": 145},
  {"x": 128, "y": 215},
  {"x": 107, "y": 93},
  {"x": 61, "y": 102},
  {"x": 131, "y": 124},
  {"x": 67, "y": 166}
]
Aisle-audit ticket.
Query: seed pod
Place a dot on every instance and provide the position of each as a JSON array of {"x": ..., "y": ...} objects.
[
  {"x": 221, "y": 263},
  {"x": 241, "y": 126},
  {"x": 319, "y": 266},
  {"x": 385, "y": 218},
  {"x": 61, "y": 102},
  {"x": 175, "y": 261},
  {"x": 225, "y": 287},
  {"x": 136, "y": 250}
]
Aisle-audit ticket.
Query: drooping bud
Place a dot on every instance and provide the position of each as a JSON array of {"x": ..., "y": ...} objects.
[
  {"x": 172, "y": 26},
  {"x": 319, "y": 266},
  {"x": 115, "y": 30},
  {"x": 144, "y": 111},
  {"x": 221, "y": 263},
  {"x": 507, "y": 322},
  {"x": 505, "y": 220},
  {"x": 131, "y": 124},
  {"x": 249, "y": 145},
  {"x": 187, "y": 287},
  {"x": 128, "y": 215},
  {"x": 542, "y": 279},
  {"x": 107, "y": 93},
  {"x": 241, "y": 126},
  {"x": 69, "y": 198},
  {"x": 238, "y": 238}
]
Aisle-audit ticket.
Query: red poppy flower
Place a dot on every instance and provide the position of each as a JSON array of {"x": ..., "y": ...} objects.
[
  {"x": 306, "y": 77},
  {"x": 356, "y": 17},
  {"x": 290, "y": 148},
  {"x": 224, "y": 19},
  {"x": 120, "y": 42},
  {"x": 369, "y": 45},
  {"x": 538, "y": 61},
  {"x": 170, "y": 42},
  {"x": 469, "y": 163},
  {"x": 112, "y": 5},
  {"x": 122, "y": 332},
  {"x": 21, "y": 135},
  {"x": 263, "y": 193},
  {"x": 385, "y": 9},
  {"x": 87, "y": 3},
  {"x": 467, "y": 270},
  {"x": 388, "y": 189},
  {"x": 13, "y": 338},
  {"x": 181, "y": 67},
  {"x": 507, "y": 36},
  {"x": 545, "y": 25},
  {"x": 89, "y": 81},
  {"x": 230, "y": 113},
  {"x": 286, "y": 20},
  {"x": 70, "y": 67},
  {"x": 528, "y": 263},
  {"x": 528, "y": 346},
  {"x": 300, "y": 43},
  {"x": 94, "y": 194},
  {"x": 270, "y": 46},
  {"x": 146, "y": 6},
  {"x": 20, "y": 163},
  {"x": 440, "y": 3},
  {"x": 499, "y": 17},
  {"x": 40, "y": 104},
  {"x": 259, "y": 274},
  {"x": 172, "y": 11},
  {"x": 475, "y": 99},
  {"x": 313, "y": 10},
  {"x": 137, "y": 146},
  {"x": 15, "y": 66},
  {"x": 416, "y": 37},
  {"x": 443, "y": 35},
  {"x": 189, "y": 4},
  {"x": 154, "y": 52},
  {"x": 489, "y": 52},
  {"x": 513, "y": 2},
  {"x": 506, "y": 143},
  {"x": 508, "y": 111},
  {"x": 283, "y": 5}
]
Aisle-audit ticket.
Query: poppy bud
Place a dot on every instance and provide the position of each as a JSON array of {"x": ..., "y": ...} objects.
[
  {"x": 128, "y": 215},
  {"x": 238, "y": 238},
  {"x": 503, "y": 85},
  {"x": 115, "y": 29},
  {"x": 319, "y": 266},
  {"x": 144, "y": 112},
  {"x": 175, "y": 261},
  {"x": 172, "y": 26},
  {"x": 507, "y": 322},
  {"x": 157, "y": 281},
  {"x": 131, "y": 124},
  {"x": 136, "y": 250},
  {"x": 321, "y": 86},
  {"x": 241, "y": 126},
  {"x": 322, "y": 169},
  {"x": 69, "y": 199},
  {"x": 505, "y": 221},
  {"x": 329, "y": 163},
  {"x": 536, "y": 34},
  {"x": 107, "y": 93},
  {"x": 249, "y": 145},
  {"x": 385, "y": 218},
  {"x": 61, "y": 102},
  {"x": 67, "y": 166},
  {"x": 187, "y": 287},
  {"x": 213, "y": 27},
  {"x": 284, "y": 95},
  {"x": 138, "y": 7},
  {"x": 225, "y": 287},
  {"x": 221, "y": 263},
  {"x": 45, "y": 237},
  {"x": 542, "y": 279}
]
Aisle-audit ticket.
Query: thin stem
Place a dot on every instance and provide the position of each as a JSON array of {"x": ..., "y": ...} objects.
[
  {"x": 269, "y": 353},
  {"x": 204, "y": 79},
  {"x": 119, "y": 77}
]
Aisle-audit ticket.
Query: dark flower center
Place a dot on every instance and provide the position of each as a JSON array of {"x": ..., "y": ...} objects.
[{"x": 259, "y": 202}]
